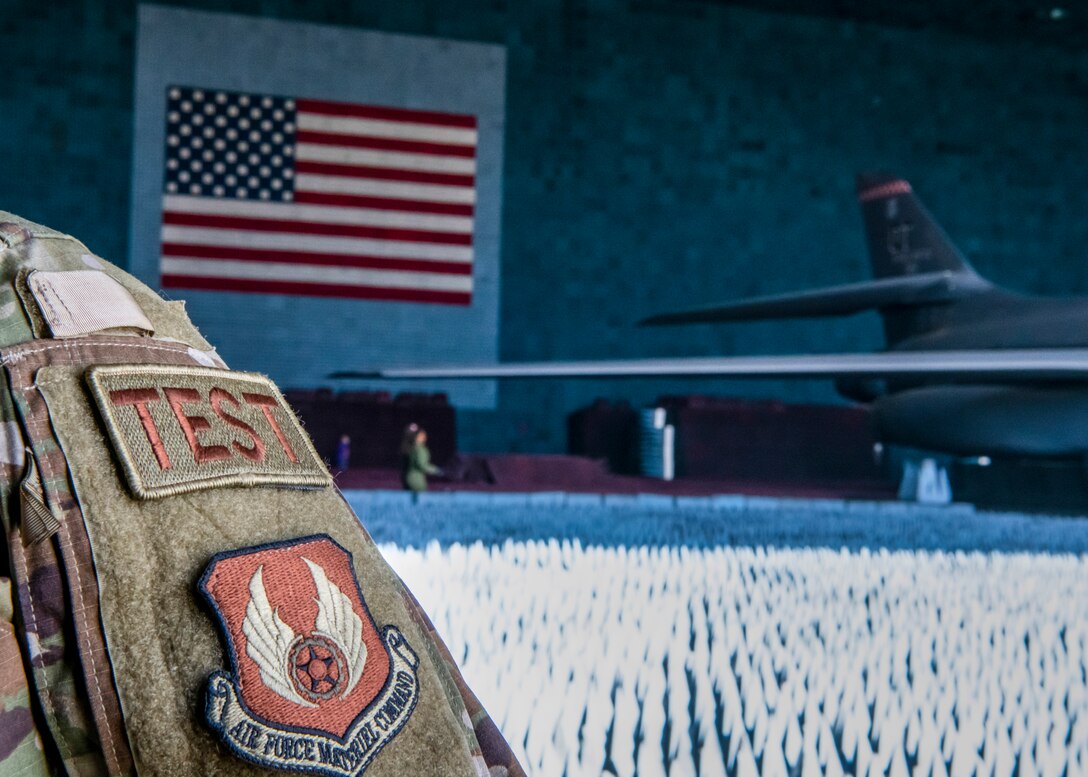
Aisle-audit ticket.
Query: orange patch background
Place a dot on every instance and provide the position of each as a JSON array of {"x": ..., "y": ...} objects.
[{"x": 292, "y": 593}]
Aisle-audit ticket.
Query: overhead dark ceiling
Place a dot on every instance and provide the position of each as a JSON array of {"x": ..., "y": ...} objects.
[{"x": 1058, "y": 22}]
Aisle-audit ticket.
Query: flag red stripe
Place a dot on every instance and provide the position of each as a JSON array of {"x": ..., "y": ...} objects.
[
  {"x": 438, "y": 118},
  {"x": 384, "y": 144},
  {"x": 186, "y": 251},
  {"x": 383, "y": 203},
  {"x": 315, "y": 289},
  {"x": 313, "y": 228},
  {"x": 383, "y": 173}
]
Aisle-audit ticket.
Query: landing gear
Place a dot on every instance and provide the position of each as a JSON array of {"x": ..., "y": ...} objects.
[{"x": 923, "y": 477}]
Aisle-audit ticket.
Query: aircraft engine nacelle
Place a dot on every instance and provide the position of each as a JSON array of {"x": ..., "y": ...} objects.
[{"x": 979, "y": 420}]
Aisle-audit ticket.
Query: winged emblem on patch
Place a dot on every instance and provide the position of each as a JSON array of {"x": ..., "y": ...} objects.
[
  {"x": 306, "y": 670},
  {"x": 314, "y": 684}
]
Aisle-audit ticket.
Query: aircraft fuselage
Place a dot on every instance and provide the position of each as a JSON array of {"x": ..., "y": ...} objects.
[
  {"x": 999, "y": 319},
  {"x": 973, "y": 418}
]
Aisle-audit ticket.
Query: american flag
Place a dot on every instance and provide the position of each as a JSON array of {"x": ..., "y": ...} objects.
[{"x": 295, "y": 196}]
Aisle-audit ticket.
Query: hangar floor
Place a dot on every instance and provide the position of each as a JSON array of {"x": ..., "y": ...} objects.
[{"x": 670, "y": 635}]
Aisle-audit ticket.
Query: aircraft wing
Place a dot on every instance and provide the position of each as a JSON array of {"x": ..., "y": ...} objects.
[
  {"x": 1005, "y": 365},
  {"x": 923, "y": 288}
]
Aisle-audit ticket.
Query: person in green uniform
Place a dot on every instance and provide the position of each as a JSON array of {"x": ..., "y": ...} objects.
[{"x": 416, "y": 459}]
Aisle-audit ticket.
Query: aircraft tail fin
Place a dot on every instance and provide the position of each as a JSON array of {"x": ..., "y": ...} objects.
[
  {"x": 919, "y": 275},
  {"x": 903, "y": 237},
  {"x": 905, "y": 241}
]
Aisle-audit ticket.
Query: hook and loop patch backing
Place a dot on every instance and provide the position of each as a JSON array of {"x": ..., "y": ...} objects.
[{"x": 180, "y": 429}]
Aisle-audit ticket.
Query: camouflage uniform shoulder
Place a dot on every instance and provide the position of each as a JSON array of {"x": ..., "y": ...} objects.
[
  {"x": 27, "y": 247},
  {"x": 190, "y": 595},
  {"x": 15, "y": 229}
]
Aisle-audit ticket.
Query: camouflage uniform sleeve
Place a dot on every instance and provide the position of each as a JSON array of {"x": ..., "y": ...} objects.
[
  {"x": 21, "y": 753},
  {"x": 20, "y": 748},
  {"x": 496, "y": 752}
]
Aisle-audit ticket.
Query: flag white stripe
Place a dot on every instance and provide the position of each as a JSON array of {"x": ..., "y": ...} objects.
[
  {"x": 317, "y": 214},
  {"x": 302, "y": 273},
  {"x": 335, "y": 184},
  {"x": 283, "y": 241},
  {"x": 382, "y": 128},
  {"x": 395, "y": 160}
]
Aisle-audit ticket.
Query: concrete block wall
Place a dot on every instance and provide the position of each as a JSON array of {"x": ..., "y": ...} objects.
[{"x": 657, "y": 155}]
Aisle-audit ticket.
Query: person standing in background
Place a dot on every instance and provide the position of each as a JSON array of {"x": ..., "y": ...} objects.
[
  {"x": 343, "y": 453},
  {"x": 416, "y": 459}
]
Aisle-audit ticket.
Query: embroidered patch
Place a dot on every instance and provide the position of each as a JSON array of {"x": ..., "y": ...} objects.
[
  {"x": 314, "y": 685},
  {"x": 180, "y": 429}
]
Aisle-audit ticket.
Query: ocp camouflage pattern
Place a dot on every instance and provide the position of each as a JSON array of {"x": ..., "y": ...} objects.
[{"x": 60, "y": 710}]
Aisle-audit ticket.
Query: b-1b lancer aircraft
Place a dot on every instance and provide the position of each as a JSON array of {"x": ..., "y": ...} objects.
[{"x": 970, "y": 368}]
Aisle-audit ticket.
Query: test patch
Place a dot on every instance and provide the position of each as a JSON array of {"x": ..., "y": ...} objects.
[{"x": 181, "y": 429}]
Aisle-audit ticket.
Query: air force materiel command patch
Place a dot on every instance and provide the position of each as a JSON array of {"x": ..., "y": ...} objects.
[
  {"x": 182, "y": 429},
  {"x": 314, "y": 685}
]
